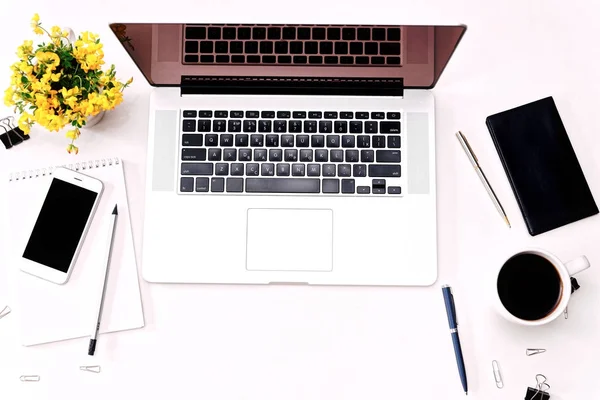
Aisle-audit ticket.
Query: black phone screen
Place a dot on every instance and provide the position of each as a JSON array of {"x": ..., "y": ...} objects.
[{"x": 59, "y": 225}]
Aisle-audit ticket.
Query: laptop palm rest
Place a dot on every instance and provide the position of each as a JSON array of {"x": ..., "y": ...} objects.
[{"x": 289, "y": 240}]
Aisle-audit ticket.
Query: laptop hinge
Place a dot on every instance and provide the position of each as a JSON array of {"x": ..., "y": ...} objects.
[{"x": 241, "y": 85}]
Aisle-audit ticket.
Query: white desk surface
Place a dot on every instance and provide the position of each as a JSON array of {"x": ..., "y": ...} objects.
[{"x": 260, "y": 342}]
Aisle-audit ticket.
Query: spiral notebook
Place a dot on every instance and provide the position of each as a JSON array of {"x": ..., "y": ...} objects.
[{"x": 50, "y": 312}]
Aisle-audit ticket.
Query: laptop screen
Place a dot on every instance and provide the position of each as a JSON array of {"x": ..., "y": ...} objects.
[{"x": 167, "y": 54}]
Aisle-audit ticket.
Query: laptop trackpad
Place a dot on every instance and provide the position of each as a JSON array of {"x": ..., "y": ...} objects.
[{"x": 289, "y": 240}]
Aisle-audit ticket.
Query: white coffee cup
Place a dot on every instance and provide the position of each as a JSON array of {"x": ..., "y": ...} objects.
[{"x": 565, "y": 271}]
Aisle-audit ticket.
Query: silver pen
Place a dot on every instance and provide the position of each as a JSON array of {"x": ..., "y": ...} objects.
[{"x": 473, "y": 159}]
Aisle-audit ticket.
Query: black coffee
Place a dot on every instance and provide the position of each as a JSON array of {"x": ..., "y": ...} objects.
[{"x": 529, "y": 286}]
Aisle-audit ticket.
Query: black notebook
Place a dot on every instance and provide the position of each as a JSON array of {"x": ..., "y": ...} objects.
[{"x": 541, "y": 166}]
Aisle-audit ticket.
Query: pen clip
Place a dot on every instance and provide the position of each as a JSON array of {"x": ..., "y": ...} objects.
[{"x": 453, "y": 307}]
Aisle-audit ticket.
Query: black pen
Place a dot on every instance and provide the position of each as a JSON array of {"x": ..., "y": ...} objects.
[{"x": 453, "y": 322}]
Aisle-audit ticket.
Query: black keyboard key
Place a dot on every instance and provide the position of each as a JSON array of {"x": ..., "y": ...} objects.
[
  {"x": 378, "y": 33},
  {"x": 387, "y": 156},
  {"x": 341, "y": 47},
  {"x": 245, "y": 155},
  {"x": 299, "y": 114},
  {"x": 296, "y": 48},
  {"x": 229, "y": 33},
  {"x": 341, "y": 127},
  {"x": 186, "y": 184},
  {"x": 226, "y": 140},
  {"x": 380, "y": 170},
  {"x": 328, "y": 169},
  {"x": 359, "y": 170},
  {"x": 317, "y": 141},
  {"x": 371, "y": 126},
  {"x": 190, "y": 58},
  {"x": 331, "y": 185},
  {"x": 378, "y": 190},
  {"x": 348, "y": 34},
  {"x": 212, "y": 140},
  {"x": 393, "y": 115},
  {"x": 326, "y": 47},
  {"x": 281, "y": 47},
  {"x": 189, "y": 113},
  {"x": 191, "y": 140},
  {"x": 238, "y": 59},
  {"x": 235, "y": 185},
  {"x": 331, "y": 114},
  {"x": 284, "y": 114},
  {"x": 275, "y": 155},
  {"x": 195, "y": 32},
  {"x": 295, "y": 126},
  {"x": 331, "y": 60},
  {"x": 393, "y": 34},
  {"x": 214, "y": 154},
  {"x": 264, "y": 125},
  {"x": 352, "y": 156},
  {"x": 393, "y": 60},
  {"x": 310, "y": 126},
  {"x": 377, "y": 60},
  {"x": 234, "y": 125},
  {"x": 311, "y": 48},
  {"x": 229, "y": 154},
  {"x": 237, "y": 169},
  {"x": 377, "y": 115},
  {"x": 222, "y": 169},
  {"x": 287, "y": 140},
  {"x": 241, "y": 140},
  {"x": 367, "y": 156},
  {"x": 303, "y": 33},
  {"x": 378, "y": 183},
  {"x": 251, "y": 47},
  {"x": 363, "y": 190},
  {"x": 371, "y": 49},
  {"x": 348, "y": 186},
  {"x": 337, "y": 155},
  {"x": 282, "y": 185},
  {"x": 289, "y": 33},
  {"x": 344, "y": 170},
  {"x": 202, "y": 184},
  {"x": 325, "y": 126},
  {"x": 260, "y": 155},
  {"x": 205, "y": 114},
  {"x": 393, "y": 142},
  {"x": 269, "y": 59},
  {"x": 291, "y": 155},
  {"x": 267, "y": 114},
  {"x": 356, "y": 127},
  {"x": 379, "y": 142},
  {"x": 313, "y": 170},
  {"x": 274, "y": 33},
  {"x": 362, "y": 115},
  {"x": 394, "y": 190},
  {"x": 364, "y": 141},
  {"x": 280, "y": 126},
  {"x": 219, "y": 125},
  {"x": 272, "y": 140},
  {"x": 266, "y": 48},
  {"x": 389, "y": 49},
  {"x": 253, "y": 59},
  {"x": 306, "y": 155},
  {"x": 333, "y": 34},
  {"x": 348, "y": 141},
  {"x": 257, "y": 140},
  {"x": 302, "y": 140},
  {"x": 189, "y": 125},
  {"x": 283, "y": 169},
  {"x": 363, "y": 34},
  {"x": 221, "y": 48},
  {"x": 252, "y": 169},
  {"x": 252, "y": 114},
  {"x": 315, "y": 60},
  {"x": 356, "y": 48},
  {"x": 243, "y": 33},
  {"x": 346, "y": 60},
  {"x": 267, "y": 169},
  {"x": 259, "y": 33},
  {"x": 249, "y": 125},
  {"x": 206, "y": 47},
  {"x": 217, "y": 185},
  {"x": 214, "y": 33},
  {"x": 318, "y": 33},
  {"x": 193, "y": 154},
  {"x": 315, "y": 114},
  {"x": 297, "y": 169},
  {"x": 321, "y": 155},
  {"x": 346, "y": 115},
  {"x": 333, "y": 140},
  {"x": 196, "y": 168}
]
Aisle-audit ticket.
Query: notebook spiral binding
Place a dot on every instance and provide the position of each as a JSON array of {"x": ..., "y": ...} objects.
[{"x": 80, "y": 166}]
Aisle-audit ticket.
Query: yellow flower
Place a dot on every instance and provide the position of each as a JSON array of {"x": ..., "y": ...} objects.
[
  {"x": 73, "y": 134},
  {"x": 72, "y": 149},
  {"x": 35, "y": 24},
  {"x": 8, "y": 97},
  {"x": 55, "y": 77},
  {"x": 35, "y": 19}
]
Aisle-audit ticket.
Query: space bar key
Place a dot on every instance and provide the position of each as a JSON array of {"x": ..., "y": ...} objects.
[{"x": 282, "y": 185}]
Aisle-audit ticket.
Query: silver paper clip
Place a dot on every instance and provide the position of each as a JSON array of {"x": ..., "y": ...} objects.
[
  {"x": 5, "y": 311},
  {"x": 541, "y": 386},
  {"x": 90, "y": 368},
  {"x": 30, "y": 378},
  {"x": 533, "y": 352},
  {"x": 497, "y": 375}
]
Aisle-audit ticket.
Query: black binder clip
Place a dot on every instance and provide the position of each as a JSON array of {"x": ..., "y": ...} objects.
[
  {"x": 13, "y": 135},
  {"x": 541, "y": 389}
]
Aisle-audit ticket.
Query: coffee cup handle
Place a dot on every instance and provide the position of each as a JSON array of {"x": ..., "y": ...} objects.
[{"x": 577, "y": 265}]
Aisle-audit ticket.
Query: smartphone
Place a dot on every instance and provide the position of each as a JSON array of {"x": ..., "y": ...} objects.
[{"x": 61, "y": 225}]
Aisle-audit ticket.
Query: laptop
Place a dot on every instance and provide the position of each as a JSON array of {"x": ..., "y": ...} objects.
[{"x": 297, "y": 154}]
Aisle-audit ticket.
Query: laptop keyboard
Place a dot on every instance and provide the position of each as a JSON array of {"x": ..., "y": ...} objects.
[
  {"x": 292, "y": 45},
  {"x": 291, "y": 152}
]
